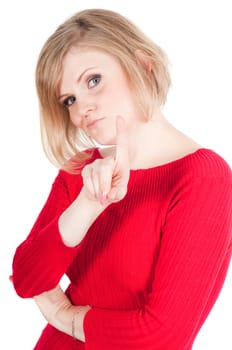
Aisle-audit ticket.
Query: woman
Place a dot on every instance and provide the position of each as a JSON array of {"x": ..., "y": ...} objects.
[{"x": 139, "y": 215}]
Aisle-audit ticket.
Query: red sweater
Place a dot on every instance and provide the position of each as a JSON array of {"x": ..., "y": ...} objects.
[{"x": 151, "y": 266}]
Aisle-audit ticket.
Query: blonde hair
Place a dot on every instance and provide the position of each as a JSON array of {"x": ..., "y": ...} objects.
[{"x": 115, "y": 34}]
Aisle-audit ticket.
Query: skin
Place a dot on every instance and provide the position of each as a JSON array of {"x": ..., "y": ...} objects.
[
  {"x": 101, "y": 94},
  {"x": 99, "y": 99}
]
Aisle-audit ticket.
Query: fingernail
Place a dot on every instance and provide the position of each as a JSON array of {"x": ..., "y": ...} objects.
[{"x": 103, "y": 198}]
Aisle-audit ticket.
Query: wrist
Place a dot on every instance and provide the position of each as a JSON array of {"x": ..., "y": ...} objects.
[
  {"x": 94, "y": 205},
  {"x": 71, "y": 320},
  {"x": 77, "y": 323}
]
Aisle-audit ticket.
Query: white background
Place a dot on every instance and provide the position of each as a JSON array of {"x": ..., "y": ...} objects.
[{"x": 197, "y": 37}]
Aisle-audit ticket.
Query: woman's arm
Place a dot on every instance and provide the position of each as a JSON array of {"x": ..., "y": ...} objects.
[
  {"x": 61, "y": 314},
  {"x": 42, "y": 259},
  {"x": 46, "y": 254}
]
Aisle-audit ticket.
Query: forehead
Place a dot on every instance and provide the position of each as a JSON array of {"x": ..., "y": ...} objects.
[
  {"x": 77, "y": 60},
  {"x": 80, "y": 58}
]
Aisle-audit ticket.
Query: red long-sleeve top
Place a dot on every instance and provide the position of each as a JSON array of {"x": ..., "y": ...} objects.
[{"x": 151, "y": 266}]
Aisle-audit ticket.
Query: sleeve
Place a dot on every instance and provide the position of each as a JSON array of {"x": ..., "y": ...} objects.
[
  {"x": 192, "y": 265},
  {"x": 42, "y": 259}
]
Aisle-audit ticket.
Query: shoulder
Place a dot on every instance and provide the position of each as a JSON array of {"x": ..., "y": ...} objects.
[
  {"x": 210, "y": 163},
  {"x": 203, "y": 171},
  {"x": 202, "y": 180},
  {"x": 203, "y": 163}
]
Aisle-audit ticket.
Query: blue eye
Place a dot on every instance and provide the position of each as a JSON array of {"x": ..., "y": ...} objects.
[
  {"x": 94, "y": 81},
  {"x": 69, "y": 101}
]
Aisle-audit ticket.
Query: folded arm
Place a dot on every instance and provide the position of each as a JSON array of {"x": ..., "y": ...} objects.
[{"x": 61, "y": 314}]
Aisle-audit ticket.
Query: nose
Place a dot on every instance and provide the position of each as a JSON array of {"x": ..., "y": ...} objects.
[{"x": 81, "y": 111}]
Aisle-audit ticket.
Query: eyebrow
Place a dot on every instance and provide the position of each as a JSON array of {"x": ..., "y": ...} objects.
[{"x": 78, "y": 80}]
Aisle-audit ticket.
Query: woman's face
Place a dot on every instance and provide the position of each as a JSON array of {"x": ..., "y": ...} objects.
[{"x": 95, "y": 90}]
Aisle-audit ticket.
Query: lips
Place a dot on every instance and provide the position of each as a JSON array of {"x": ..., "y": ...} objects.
[{"x": 93, "y": 123}]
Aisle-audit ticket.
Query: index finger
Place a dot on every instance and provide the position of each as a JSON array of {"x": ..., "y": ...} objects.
[{"x": 122, "y": 155}]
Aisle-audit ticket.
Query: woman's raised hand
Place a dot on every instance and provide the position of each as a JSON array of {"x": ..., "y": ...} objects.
[{"x": 105, "y": 180}]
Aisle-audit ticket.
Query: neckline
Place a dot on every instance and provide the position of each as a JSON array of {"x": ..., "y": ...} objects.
[{"x": 188, "y": 156}]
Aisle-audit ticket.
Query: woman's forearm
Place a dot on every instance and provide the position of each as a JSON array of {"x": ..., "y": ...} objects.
[
  {"x": 77, "y": 218},
  {"x": 61, "y": 314}
]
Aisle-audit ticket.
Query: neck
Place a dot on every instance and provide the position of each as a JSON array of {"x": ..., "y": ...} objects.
[
  {"x": 154, "y": 143},
  {"x": 144, "y": 137}
]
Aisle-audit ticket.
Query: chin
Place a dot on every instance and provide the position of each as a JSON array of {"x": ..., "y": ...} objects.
[{"x": 104, "y": 143}]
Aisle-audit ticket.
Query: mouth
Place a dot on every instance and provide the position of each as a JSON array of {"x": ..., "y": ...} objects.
[{"x": 93, "y": 123}]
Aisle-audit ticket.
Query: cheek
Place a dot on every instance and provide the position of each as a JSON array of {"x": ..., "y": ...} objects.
[
  {"x": 77, "y": 121},
  {"x": 119, "y": 102}
]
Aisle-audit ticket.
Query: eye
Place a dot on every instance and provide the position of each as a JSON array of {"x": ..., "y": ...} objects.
[
  {"x": 69, "y": 101},
  {"x": 95, "y": 80}
]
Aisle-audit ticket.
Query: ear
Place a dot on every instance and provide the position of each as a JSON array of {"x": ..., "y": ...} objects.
[{"x": 143, "y": 59}]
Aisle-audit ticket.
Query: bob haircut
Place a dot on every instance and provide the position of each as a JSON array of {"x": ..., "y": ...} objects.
[{"x": 100, "y": 29}]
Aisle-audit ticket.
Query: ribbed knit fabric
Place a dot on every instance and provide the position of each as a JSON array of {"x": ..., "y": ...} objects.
[{"x": 151, "y": 266}]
